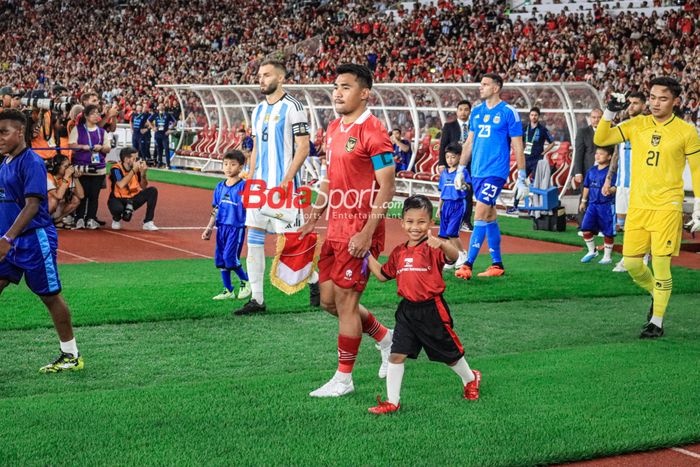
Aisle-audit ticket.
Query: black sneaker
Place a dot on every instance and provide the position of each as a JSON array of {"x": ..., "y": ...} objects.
[
  {"x": 250, "y": 308},
  {"x": 651, "y": 331},
  {"x": 101, "y": 222},
  {"x": 314, "y": 295}
]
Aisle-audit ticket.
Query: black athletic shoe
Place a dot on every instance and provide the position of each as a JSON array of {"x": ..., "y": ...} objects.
[
  {"x": 314, "y": 295},
  {"x": 651, "y": 331},
  {"x": 250, "y": 308},
  {"x": 101, "y": 222}
]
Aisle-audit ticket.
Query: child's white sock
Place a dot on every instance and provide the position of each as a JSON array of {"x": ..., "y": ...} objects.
[
  {"x": 463, "y": 370},
  {"x": 394, "y": 378}
]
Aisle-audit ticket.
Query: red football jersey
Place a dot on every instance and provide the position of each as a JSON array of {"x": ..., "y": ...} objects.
[
  {"x": 352, "y": 185},
  {"x": 417, "y": 270}
]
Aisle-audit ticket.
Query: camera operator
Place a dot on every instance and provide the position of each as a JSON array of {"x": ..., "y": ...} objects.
[
  {"x": 108, "y": 116},
  {"x": 130, "y": 190},
  {"x": 90, "y": 149},
  {"x": 10, "y": 97},
  {"x": 65, "y": 191}
]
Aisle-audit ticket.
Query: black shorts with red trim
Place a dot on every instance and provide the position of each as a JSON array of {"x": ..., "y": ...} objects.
[{"x": 426, "y": 325}]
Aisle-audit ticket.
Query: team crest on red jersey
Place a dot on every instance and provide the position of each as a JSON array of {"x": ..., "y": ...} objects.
[{"x": 350, "y": 145}]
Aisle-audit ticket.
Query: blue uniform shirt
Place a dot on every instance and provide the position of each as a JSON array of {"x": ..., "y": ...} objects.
[
  {"x": 162, "y": 121},
  {"x": 493, "y": 129},
  {"x": 402, "y": 158},
  {"x": 139, "y": 120},
  {"x": 447, "y": 185},
  {"x": 228, "y": 200},
  {"x": 594, "y": 181},
  {"x": 24, "y": 176},
  {"x": 534, "y": 139}
]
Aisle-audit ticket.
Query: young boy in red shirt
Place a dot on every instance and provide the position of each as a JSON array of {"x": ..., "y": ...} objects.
[{"x": 423, "y": 319}]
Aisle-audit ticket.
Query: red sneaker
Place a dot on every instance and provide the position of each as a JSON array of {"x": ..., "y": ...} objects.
[
  {"x": 465, "y": 272},
  {"x": 492, "y": 271},
  {"x": 471, "y": 390},
  {"x": 384, "y": 407}
]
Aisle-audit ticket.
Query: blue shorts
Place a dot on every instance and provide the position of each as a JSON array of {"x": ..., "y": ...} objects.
[
  {"x": 229, "y": 243},
  {"x": 34, "y": 257},
  {"x": 599, "y": 218},
  {"x": 487, "y": 190},
  {"x": 451, "y": 215}
]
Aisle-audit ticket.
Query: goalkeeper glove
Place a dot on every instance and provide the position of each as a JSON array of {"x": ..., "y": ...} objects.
[
  {"x": 459, "y": 178},
  {"x": 522, "y": 186},
  {"x": 694, "y": 224},
  {"x": 617, "y": 103}
]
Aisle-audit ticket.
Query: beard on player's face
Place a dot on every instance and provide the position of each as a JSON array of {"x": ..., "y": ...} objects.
[{"x": 270, "y": 88}]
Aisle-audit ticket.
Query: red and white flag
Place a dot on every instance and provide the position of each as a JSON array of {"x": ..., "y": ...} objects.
[{"x": 294, "y": 261}]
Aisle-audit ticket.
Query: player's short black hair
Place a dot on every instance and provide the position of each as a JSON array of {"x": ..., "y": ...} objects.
[
  {"x": 638, "y": 95},
  {"x": 417, "y": 202},
  {"x": 667, "y": 82},
  {"x": 496, "y": 78},
  {"x": 454, "y": 148},
  {"x": 609, "y": 149},
  {"x": 536, "y": 110},
  {"x": 14, "y": 115},
  {"x": 361, "y": 72},
  {"x": 396, "y": 129},
  {"x": 126, "y": 152},
  {"x": 275, "y": 63},
  {"x": 235, "y": 155},
  {"x": 464, "y": 102}
]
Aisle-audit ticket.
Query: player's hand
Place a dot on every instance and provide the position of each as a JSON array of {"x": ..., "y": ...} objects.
[
  {"x": 307, "y": 228},
  {"x": 206, "y": 235},
  {"x": 618, "y": 102},
  {"x": 582, "y": 207},
  {"x": 437, "y": 214},
  {"x": 606, "y": 188},
  {"x": 578, "y": 178},
  {"x": 359, "y": 244},
  {"x": 434, "y": 242},
  {"x": 97, "y": 148},
  {"x": 4, "y": 248},
  {"x": 694, "y": 224},
  {"x": 69, "y": 172},
  {"x": 522, "y": 186}
]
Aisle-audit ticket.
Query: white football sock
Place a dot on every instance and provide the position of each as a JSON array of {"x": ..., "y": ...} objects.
[
  {"x": 657, "y": 320},
  {"x": 463, "y": 370},
  {"x": 394, "y": 378},
  {"x": 256, "y": 271},
  {"x": 591, "y": 245},
  {"x": 608, "y": 251},
  {"x": 70, "y": 347},
  {"x": 342, "y": 377}
]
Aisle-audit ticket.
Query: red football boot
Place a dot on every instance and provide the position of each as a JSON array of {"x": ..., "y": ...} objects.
[
  {"x": 492, "y": 271},
  {"x": 384, "y": 407},
  {"x": 471, "y": 390},
  {"x": 464, "y": 272}
]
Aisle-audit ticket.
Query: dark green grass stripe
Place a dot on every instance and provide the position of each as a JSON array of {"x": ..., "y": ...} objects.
[{"x": 182, "y": 289}]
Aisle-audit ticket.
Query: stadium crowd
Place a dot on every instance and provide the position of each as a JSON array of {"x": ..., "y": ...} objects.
[{"x": 144, "y": 43}]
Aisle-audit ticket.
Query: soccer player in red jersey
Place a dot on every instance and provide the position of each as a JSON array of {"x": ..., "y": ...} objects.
[
  {"x": 423, "y": 319},
  {"x": 359, "y": 188}
]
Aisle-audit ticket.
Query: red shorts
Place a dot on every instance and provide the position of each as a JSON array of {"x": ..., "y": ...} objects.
[{"x": 338, "y": 265}]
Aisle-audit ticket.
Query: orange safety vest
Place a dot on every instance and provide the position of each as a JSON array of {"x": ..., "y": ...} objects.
[{"x": 132, "y": 189}]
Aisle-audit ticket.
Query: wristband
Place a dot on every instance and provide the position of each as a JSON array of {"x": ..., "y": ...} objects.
[
  {"x": 584, "y": 200},
  {"x": 461, "y": 167},
  {"x": 609, "y": 115},
  {"x": 8, "y": 240}
]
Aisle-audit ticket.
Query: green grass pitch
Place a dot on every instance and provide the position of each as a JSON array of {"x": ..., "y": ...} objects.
[{"x": 172, "y": 378}]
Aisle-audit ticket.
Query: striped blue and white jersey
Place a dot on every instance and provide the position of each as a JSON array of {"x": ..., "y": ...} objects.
[
  {"x": 624, "y": 163},
  {"x": 274, "y": 128}
]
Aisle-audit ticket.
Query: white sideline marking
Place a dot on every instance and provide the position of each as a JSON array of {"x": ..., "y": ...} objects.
[
  {"x": 77, "y": 256},
  {"x": 159, "y": 244},
  {"x": 686, "y": 452},
  {"x": 182, "y": 228}
]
